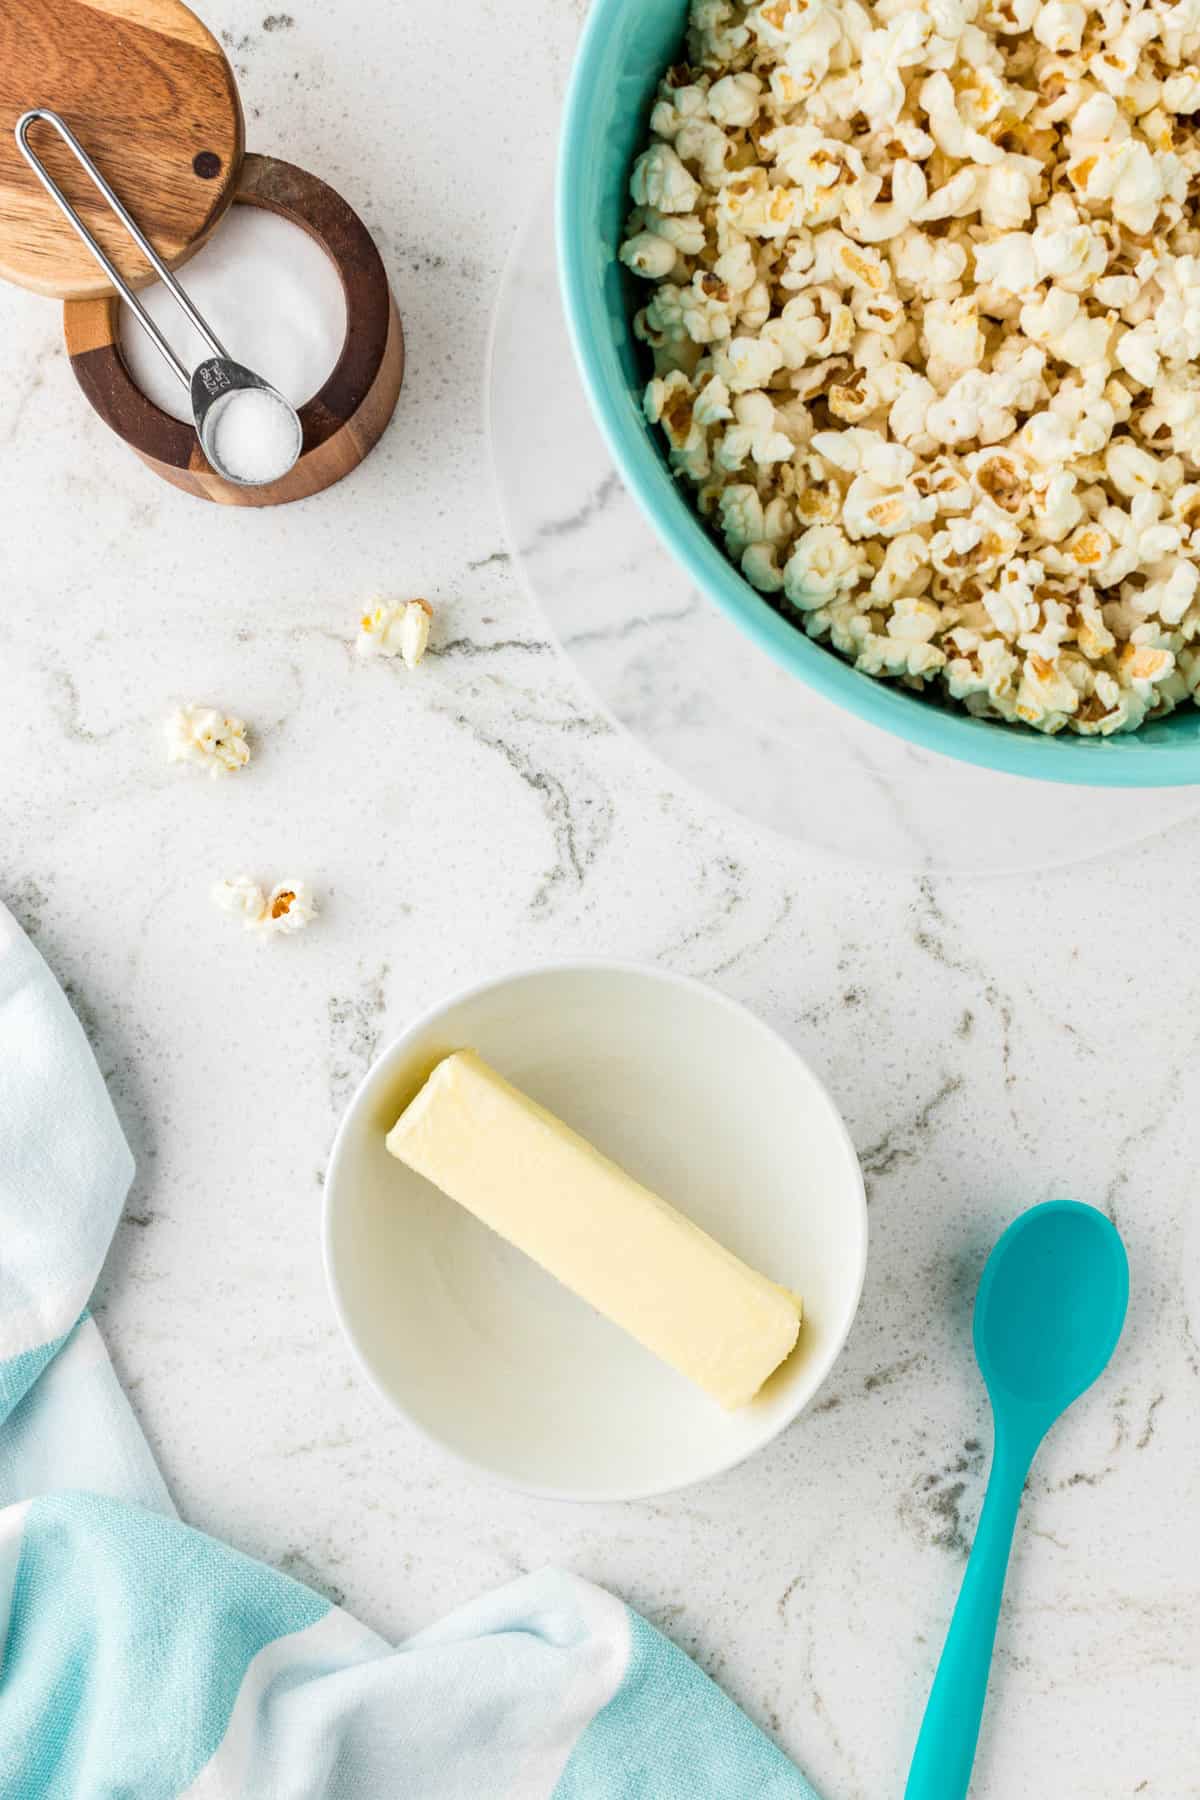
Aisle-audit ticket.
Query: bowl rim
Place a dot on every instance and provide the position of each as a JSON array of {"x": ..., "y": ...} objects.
[
  {"x": 997, "y": 745},
  {"x": 517, "y": 974}
]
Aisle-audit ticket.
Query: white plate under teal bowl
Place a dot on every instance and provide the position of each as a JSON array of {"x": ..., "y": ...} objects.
[
  {"x": 493, "y": 1359},
  {"x": 625, "y": 47}
]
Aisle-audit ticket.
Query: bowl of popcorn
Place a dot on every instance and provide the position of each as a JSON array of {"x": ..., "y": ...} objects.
[{"x": 890, "y": 316}]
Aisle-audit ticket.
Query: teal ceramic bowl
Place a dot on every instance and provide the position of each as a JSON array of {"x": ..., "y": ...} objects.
[{"x": 626, "y": 45}]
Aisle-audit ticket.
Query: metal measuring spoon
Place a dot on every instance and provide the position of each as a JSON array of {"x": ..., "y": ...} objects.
[
  {"x": 213, "y": 386},
  {"x": 1049, "y": 1311}
]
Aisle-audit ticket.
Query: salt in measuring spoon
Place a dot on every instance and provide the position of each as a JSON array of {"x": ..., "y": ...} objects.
[{"x": 215, "y": 385}]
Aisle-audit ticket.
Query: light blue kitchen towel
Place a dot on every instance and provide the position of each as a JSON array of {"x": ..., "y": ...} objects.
[{"x": 141, "y": 1660}]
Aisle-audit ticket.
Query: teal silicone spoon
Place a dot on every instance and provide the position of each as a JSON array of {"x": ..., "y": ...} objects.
[{"x": 1048, "y": 1314}]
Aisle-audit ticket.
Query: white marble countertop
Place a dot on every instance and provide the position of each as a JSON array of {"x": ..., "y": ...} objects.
[{"x": 991, "y": 1043}]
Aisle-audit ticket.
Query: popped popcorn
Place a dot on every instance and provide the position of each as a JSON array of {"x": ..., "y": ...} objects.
[
  {"x": 288, "y": 908},
  {"x": 924, "y": 314},
  {"x": 241, "y": 897},
  {"x": 1059, "y": 25},
  {"x": 661, "y": 180},
  {"x": 396, "y": 628},
  {"x": 735, "y": 100},
  {"x": 754, "y": 436},
  {"x": 649, "y": 255},
  {"x": 207, "y": 737},
  {"x": 823, "y": 564}
]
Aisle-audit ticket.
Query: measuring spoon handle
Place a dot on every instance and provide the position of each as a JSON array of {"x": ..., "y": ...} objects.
[{"x": 945, "y": 1752}]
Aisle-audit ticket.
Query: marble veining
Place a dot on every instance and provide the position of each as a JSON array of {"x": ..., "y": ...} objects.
[{"x": 990, "y": 1042}]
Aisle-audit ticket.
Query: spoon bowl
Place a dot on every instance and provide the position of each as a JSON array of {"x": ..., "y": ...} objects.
[
  {"x": 1049, "y": 1312},
  {"x": 275, "y": 441}
]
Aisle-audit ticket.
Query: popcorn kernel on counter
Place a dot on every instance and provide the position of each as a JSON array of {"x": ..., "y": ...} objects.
[
  {"x": 288, "y": 908},
  {"x": 922, "y": 294},
  {"x": 396, "y": 628},
  {"x": 207, "y": 737}
]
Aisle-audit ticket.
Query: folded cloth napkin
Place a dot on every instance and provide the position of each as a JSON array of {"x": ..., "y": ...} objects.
[{"x": 141, "y": 1660}]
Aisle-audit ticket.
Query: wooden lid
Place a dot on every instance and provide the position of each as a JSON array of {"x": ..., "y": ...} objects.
[{"x": 148, "y": 92}]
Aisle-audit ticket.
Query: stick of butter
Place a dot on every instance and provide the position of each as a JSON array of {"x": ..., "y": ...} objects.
[{"x": 610, "y": 1240}]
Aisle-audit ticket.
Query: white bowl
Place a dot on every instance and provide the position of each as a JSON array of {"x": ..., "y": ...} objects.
[{"x": 492, "y": 1358}]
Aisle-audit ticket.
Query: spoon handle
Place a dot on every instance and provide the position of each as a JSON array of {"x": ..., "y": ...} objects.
[{"x": 945, "y": 1752}]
